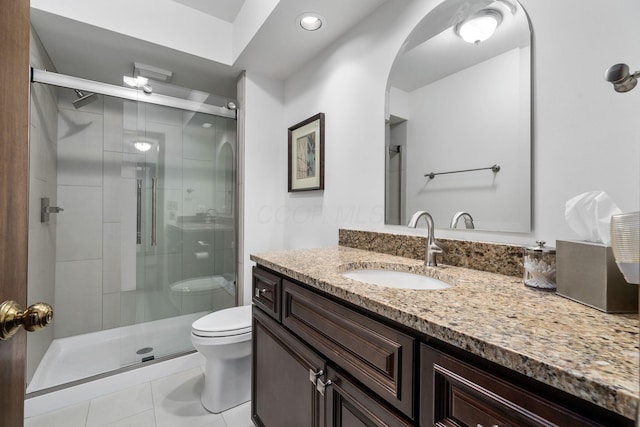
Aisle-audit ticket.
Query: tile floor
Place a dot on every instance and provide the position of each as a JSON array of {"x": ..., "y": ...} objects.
[{"x": 172, "y": 401}]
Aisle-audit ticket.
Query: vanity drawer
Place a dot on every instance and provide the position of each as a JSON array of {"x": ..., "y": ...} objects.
[
  {"x": 455, "y": 393},
  {"x": 377, "y": 355},
  {"x": 266, "y": 292}
]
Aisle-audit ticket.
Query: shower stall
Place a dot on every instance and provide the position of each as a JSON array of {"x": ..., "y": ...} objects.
[{"x": 133, "y": 223}]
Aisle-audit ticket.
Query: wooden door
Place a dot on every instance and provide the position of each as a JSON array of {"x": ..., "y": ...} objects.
[{"x": 14, "y": 127}]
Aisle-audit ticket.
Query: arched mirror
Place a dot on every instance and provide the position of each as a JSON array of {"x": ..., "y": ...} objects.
[{"x": 459, "y": 119}]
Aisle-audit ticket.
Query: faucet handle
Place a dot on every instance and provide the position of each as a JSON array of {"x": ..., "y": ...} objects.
[
  {"x": 439, "y": 247},
  {"x": 435, "y": 249}
]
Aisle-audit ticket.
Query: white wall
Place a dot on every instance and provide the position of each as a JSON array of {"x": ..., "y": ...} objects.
[
  {"x": 586, "y": 136},
  {"x": 263, "y": 179},
  {"x": 347, "y": 83}
]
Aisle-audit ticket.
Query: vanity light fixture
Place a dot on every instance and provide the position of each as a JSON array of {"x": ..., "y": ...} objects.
[
  {"x": 480, "y": 26},
  {"x": 135, "y": 81},
  {"x": 207, "y": 125},
  {"x": 310, "y": 21},
  {"x": 620, "y": 77}
]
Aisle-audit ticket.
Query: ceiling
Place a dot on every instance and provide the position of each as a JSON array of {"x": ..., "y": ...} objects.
[
  {"x": 277, "y": 49},
  {"x": 227, "y": 10}
]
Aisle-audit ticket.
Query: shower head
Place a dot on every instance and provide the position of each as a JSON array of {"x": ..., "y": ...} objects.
[
  {"x": 619, "y": 76},
  {"x": 83, "y": 98}
]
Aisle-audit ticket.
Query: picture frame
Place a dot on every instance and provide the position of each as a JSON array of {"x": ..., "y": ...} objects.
[{"x": 306, "y": 155}]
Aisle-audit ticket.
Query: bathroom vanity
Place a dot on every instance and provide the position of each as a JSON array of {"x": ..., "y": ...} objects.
[{"x": 331, "y": 351}]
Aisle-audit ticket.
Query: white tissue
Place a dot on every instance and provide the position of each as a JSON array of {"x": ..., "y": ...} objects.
[{"x": 589, "y": 215}]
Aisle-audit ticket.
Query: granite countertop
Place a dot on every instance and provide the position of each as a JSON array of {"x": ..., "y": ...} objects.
[{"x": 572, "y": 347}]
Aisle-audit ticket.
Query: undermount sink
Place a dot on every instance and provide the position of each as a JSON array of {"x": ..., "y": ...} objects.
[{"x": 396, "y": 279}]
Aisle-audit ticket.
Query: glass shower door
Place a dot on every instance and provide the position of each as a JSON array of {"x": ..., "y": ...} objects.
[
  {"x": 185, "y": 227},
  {"x": 146, "y": 241}
]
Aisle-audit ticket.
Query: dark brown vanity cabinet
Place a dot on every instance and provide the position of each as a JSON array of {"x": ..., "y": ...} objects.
[
  {"x": 319, "y": 362},
  {"x": 326, "y": 365}
]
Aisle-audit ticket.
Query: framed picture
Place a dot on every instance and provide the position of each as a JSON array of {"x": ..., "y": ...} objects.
[{"x": 306, "y": 154}]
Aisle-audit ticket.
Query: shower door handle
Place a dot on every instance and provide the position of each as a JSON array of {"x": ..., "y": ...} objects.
[
  {"x": 139, "y": 212},
  {"x": 154, "y": 210},
  {"x": 37, "y": 316}
]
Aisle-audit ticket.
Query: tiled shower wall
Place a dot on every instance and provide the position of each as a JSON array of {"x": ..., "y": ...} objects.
[
  {"x": 96, "y": 261},
  {"x": 80, "y": 239},
  {"x": 43, "y": 131}
]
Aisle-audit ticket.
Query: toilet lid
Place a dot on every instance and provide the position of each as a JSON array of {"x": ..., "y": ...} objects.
[
  {"x": 200, "y": 284},
  {"x": 230, "y": 321}
]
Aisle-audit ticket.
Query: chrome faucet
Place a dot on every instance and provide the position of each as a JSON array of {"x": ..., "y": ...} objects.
[
  {"x": 210, "y": 216},
  {"x": 468, "y": 221},
  {"x": 431, "y": 248}
]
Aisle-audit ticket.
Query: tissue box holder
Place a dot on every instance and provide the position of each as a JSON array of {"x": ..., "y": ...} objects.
[{"x": 587, "y": 273}]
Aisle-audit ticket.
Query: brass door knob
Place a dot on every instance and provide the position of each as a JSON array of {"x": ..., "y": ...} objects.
[{"x": 37, "y": 316}]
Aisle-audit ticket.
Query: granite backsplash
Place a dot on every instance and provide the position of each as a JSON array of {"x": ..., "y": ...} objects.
[{"x": 490, "y": 257}]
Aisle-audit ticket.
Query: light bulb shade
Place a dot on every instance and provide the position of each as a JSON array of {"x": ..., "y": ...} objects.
[
  {"x": 142, "y": 146},
  {"x": 310, "y": 21},
  {"x": 136, "y": 82},
  {"x": 480, "y": 26}
]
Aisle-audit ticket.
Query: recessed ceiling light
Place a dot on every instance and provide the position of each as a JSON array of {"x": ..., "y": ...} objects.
[{"x": 310, "y": 21}]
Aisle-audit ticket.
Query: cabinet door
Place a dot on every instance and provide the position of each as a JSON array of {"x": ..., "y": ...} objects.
[
  {"x": 454, "y": 393},
  {"x": 282, "y": 393},
  {"x": 377, "y": 355},
  {"x": 348, "y": 405}
]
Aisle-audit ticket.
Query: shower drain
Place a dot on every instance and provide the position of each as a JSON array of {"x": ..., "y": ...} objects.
[{"x": 144, "y": 350}]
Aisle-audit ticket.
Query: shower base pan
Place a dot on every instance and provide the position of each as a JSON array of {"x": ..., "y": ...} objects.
[{"x": 72, "y": 359}]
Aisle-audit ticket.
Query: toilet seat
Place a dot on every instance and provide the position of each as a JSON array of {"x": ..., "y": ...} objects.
[{"x": 224, "y": 323}]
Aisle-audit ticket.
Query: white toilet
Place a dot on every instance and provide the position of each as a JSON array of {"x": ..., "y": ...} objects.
[
  {"x": 202, "y": 294},
  {"x": 224, "y": 339}
]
